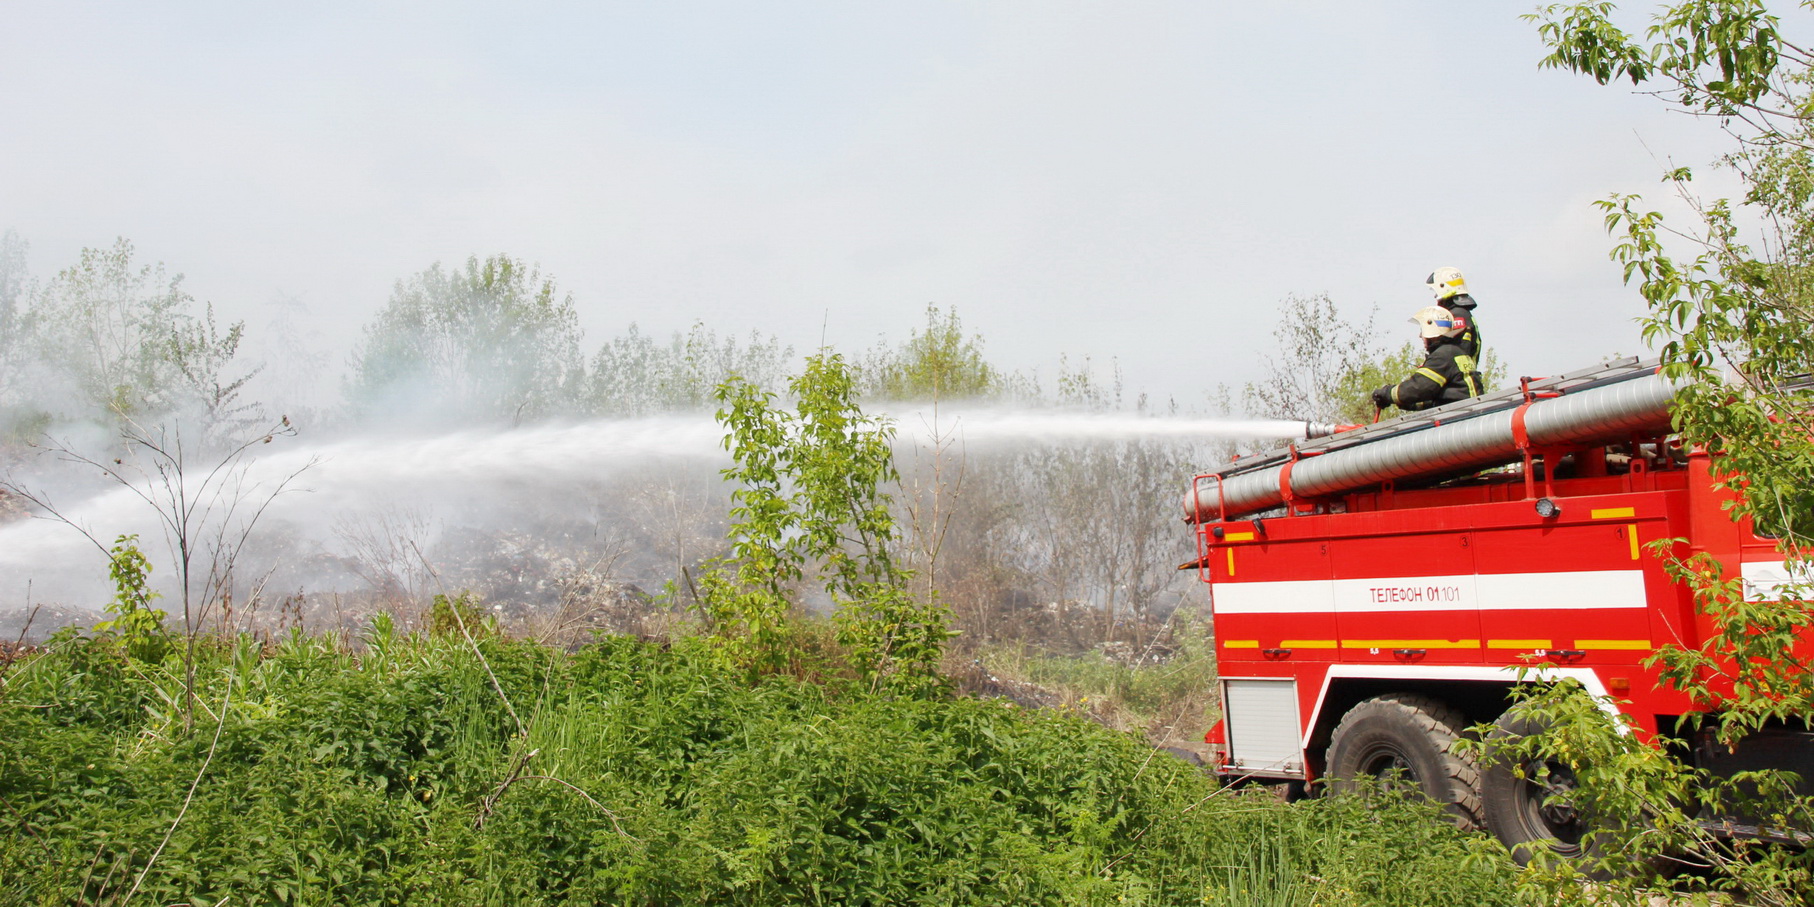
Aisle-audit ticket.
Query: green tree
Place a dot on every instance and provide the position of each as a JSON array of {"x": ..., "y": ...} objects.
[
  {"x": 1731, "y": 320},
  {"x": 493, "y": 340},
  {"x": 939, "y": 362},
  {"x": 811, "y": 495}
]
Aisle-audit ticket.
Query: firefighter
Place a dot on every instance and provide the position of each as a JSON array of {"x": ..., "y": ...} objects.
[
  {"x": 1451, "y": 291},
  {"x": 1448, "y": 373}
]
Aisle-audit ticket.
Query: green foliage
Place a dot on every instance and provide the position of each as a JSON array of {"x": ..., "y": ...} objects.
[
  {"x": 1727, "y": 313},
  {"x": 810, "y": 495},
  {"x": 840, "y": 462},
  {"x": 939, "y": 363},
  {"x": 115, "y": 344},
  {"x": 1731, "y": 322},
  {"x": 493, "y": 340},
  {"x": 1354, "y": 850},
  {"x": 458, "y": 616},
  {"x": 1721, "y": 57},
  {"x": 748, "y": 598},
  {"x": 894, "y": 640},
  {"x": 1644, "y": 804},
  {"x": 1078, "y": 386},
  {"x": 139, "y": 626},
  {"x": 1353, "y": 389},
  {"x": 1750, "y": 665},
  {"x": 649, "y": 775}
]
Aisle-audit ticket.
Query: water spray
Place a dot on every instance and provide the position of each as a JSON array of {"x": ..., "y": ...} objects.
[{"x": 471, "y": 473}]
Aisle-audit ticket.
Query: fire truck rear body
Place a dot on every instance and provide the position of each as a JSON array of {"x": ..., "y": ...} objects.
[{"x": 1450, "y": 585}]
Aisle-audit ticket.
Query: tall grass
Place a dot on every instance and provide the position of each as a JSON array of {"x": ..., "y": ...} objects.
[
  {"x": 639, "y": 774},
  {"x": 1173, "y": 700}
]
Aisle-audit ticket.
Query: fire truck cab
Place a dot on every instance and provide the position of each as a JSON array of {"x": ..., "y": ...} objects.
[{"x": 1378, "y": 592}]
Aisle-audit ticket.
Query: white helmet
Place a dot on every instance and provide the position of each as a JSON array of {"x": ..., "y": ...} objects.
[
  {"x": 1446, "y": 282},
  {"x": 1436, "y": 321}
]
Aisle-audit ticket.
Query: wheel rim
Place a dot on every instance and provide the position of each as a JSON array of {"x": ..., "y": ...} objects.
[
  {"x": 1390, "y": 767},
  {"x": 1544, "y": 784}
]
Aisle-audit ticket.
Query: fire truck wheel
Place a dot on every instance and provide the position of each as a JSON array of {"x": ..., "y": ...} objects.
[
  {"x": 1519, "y": 811},
  {"x": 1189, "y": 756},
  {"x": 1410, "y": 740}
]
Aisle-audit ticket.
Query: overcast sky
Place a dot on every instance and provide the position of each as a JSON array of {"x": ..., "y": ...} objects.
[{"x": 1139, "y": 181}]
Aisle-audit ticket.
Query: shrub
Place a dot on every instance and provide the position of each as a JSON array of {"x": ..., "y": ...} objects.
[{"x": 427, "y": 770}]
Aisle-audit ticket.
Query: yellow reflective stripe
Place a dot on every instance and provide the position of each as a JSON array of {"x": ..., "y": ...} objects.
[
  {"x": 1432, "y": 375},
  {"x": 1241, "y": 644},
  {"x": 1307, "y": 644},
  {"x": 1468, "y": 368},
  {"x": 1231, "y": 561},
  {"x": 1631, "y": 532},
  {"x": 1238, "y": 537},
  {"x": 1518, "y": 644},
  {"x": 1613, "y": 513},
  {"x": 1612, "y": 644}
]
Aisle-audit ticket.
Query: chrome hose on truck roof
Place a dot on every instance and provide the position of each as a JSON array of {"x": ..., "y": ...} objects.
[{"x": 1605, "y": 404}]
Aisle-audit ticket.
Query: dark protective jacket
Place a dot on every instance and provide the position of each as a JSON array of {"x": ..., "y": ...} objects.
[
  {"x": 1463, "y": 305},
  {"x": 1448, "y": 374}
]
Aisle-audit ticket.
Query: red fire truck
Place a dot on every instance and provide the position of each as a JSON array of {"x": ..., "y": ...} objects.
[{"x": 1378, "y": 591}]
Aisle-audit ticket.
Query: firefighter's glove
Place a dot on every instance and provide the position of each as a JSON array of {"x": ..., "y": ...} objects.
[{"x": 1382, "y": 397}]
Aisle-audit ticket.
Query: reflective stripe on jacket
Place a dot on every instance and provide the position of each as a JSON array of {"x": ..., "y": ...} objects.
[{"x": 1448, "y": 373}]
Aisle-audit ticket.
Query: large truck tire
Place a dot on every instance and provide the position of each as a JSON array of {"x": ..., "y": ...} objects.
[
  {"x": 1517, "y": 799},
  {"x": 1407, "y": 739},
  {"x": 1191, "y": 757}
]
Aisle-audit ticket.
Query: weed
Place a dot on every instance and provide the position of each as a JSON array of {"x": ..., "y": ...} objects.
[
  {"x": 641, "y": 773},
  {"x": 139, "y": 626}
]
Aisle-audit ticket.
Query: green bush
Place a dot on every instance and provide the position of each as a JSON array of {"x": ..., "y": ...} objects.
[{"x": 424, "y": 771}]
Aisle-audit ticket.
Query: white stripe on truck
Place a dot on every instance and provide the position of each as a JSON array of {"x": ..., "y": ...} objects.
[{"x": 1574, "y": 590}]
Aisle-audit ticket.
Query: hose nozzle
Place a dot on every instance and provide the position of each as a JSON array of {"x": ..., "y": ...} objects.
[{"x": 1324, "y": 429}]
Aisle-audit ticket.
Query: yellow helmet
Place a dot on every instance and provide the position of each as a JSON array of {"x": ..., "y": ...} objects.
[
  {"x": 1446, "y": 282},
  {"x": 1436, "y": 321}
]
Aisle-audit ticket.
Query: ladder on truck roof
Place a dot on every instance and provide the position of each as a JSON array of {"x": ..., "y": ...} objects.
[{"x": 1626, "y": 369}]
